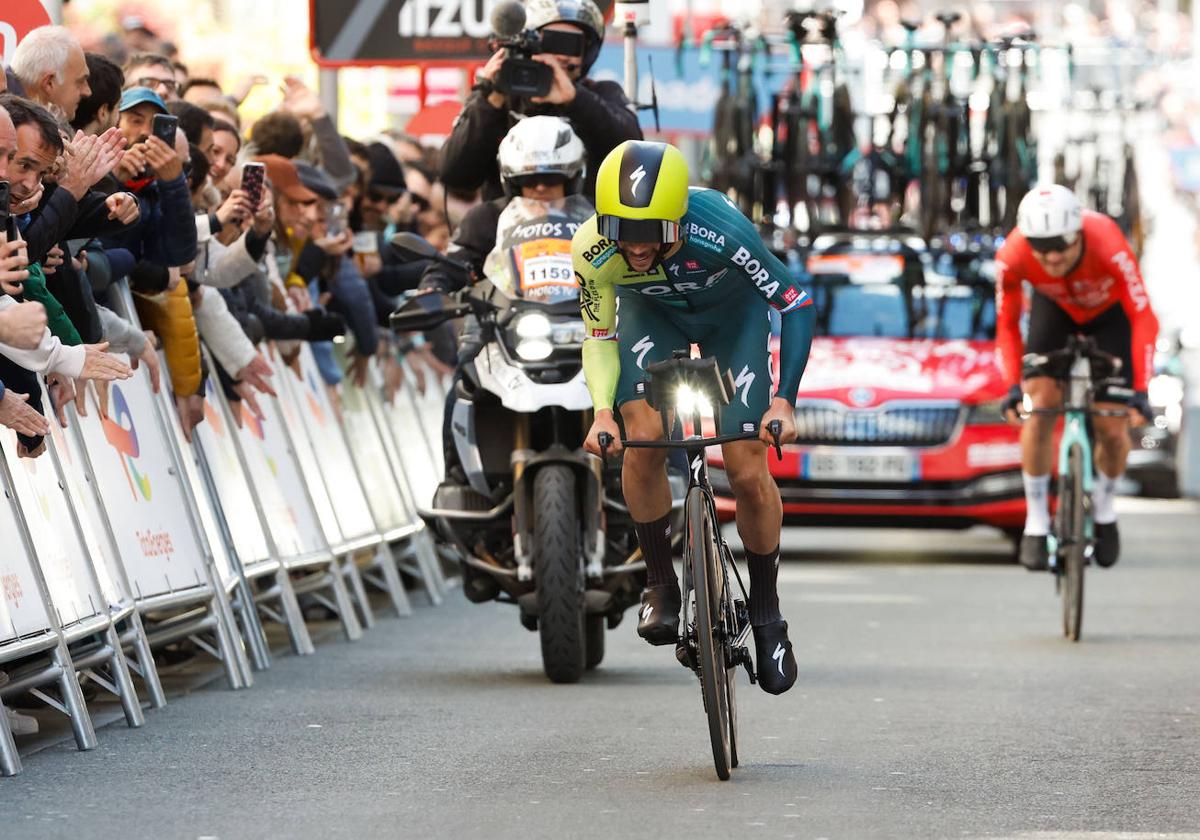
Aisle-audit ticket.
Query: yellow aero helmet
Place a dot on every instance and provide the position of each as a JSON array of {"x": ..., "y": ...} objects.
[{"x": 641, "y": 193}]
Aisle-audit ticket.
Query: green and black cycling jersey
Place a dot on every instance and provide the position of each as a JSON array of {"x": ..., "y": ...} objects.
[{"x": 715, "y": 289}]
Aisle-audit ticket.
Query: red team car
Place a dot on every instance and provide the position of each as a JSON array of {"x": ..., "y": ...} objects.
[{"x": 898, "y": 415}]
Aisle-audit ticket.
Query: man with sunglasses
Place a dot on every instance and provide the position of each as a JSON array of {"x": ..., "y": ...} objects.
[
  {"x": 541, "y": 159},
  {"x": 153, "y": 71},
  {"x": 1085, "y": 280}
]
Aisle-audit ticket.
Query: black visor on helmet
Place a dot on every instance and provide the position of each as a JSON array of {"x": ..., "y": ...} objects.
[
  {"x": 1051, "y": 244},
  {"x": 637, "y": 230}
]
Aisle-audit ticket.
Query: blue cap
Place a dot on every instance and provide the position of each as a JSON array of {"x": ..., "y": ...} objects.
[{"x": 137, "y": 95}]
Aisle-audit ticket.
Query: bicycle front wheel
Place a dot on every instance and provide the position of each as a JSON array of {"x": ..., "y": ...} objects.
[
  {"x": 708, "y": 581},
  {"x": 1075, "y": 501}
]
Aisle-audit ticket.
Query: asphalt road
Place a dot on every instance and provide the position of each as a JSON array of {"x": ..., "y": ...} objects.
[{"x": 937, "y": 698}]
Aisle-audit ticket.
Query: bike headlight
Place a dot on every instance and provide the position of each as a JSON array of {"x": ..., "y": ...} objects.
[
  {"x": 534, "y": 349},
  {"x": 533, "y": 325},
  {"x": 986, "y": 414},
  {"x": 689, "y": 401}
]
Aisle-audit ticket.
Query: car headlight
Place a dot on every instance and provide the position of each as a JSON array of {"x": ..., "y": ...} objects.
[
  {"x": 532, "y": 325},
  {"x": 534, "y": 349},
  {"x": 986, "y": 414}
]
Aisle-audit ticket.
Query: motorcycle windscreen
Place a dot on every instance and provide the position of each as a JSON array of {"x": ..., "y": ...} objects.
[{"x": 532, "y": 257}]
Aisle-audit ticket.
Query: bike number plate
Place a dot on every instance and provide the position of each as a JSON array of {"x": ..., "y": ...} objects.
[{"x": 857, "y": 465}]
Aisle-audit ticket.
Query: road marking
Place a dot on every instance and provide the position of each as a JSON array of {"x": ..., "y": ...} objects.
[{"x": 859, "y": 598}]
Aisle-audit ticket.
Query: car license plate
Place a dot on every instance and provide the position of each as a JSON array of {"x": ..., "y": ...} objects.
[{"x": 851, "y": 465}]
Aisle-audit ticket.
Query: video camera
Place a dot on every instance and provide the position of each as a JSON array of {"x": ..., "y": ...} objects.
[{"x": 520, "y": 76}]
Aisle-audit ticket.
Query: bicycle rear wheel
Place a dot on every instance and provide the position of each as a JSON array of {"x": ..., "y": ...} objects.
[
  {"x": 1075, "y": 512},
  {"x": 708, "y": 581}
]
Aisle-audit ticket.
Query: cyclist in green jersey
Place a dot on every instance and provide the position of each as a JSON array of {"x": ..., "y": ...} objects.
[{"x": 662, "y": 266}]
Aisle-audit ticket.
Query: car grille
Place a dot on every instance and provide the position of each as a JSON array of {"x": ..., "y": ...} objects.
[{"x": 831, "y": 424}]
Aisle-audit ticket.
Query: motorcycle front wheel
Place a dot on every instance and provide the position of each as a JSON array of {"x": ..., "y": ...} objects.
[{"x": 559, "y": 575}]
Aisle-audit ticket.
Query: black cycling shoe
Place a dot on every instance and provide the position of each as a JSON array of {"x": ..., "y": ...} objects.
[
  {"x": 1108, "y": 544},
  {"x": 775, "y": 660},
  {"x": 658, "y": 618},
  {"x": 1034, "y": 555}
]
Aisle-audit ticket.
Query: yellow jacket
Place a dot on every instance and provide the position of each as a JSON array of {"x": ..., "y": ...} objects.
[{"x": 170, "y": 316}]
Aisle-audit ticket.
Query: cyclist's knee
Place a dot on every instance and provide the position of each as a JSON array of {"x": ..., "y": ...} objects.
[
  {"x": 1043, "y": 392},
  {"x": 749, "y": 479},
  {"x": 1111, "y": 432},
  {"x": 641, "y": 421}
]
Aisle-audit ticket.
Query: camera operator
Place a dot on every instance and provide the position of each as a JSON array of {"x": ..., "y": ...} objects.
[{"x": 600, "y": 113}]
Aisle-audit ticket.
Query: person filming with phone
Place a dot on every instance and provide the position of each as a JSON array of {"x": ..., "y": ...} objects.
[{"x": 565, "y": 37}]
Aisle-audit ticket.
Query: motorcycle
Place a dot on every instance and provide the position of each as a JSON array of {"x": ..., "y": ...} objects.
[{"x": 541, "y": 523}]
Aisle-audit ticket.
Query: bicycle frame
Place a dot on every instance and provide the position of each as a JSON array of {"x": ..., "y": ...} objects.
[{"x": 1076, "y": 432}]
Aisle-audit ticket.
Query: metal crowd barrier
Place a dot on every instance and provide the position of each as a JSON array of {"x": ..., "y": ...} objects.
[{"x": 123, "y": 537}]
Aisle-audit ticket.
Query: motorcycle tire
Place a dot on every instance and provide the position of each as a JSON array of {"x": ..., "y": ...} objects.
[
  {"x": 593, "y": 628},
  {"x": 558, "y": 570}
]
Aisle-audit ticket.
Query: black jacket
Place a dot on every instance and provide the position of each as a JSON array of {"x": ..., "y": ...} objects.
[
  {"x": 601, "y": 115},
  {"x": 473, "y": 241}
]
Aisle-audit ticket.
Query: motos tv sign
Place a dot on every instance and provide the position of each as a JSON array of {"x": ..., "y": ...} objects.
[{"x": 400, "y": 31}]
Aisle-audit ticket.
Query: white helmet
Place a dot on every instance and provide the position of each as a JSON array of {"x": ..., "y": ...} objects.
[
  {"x": 541, "y": 145},
  {"x": 1048, "y": 212}
]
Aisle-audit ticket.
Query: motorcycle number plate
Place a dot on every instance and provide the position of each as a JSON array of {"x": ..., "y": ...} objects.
[{"x": 545, "y": 270}]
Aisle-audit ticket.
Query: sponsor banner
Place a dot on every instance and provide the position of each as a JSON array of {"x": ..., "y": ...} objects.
[
  {"x": 322, "y": 424},
  {"x": 146, "y": 507},
  {"x": 371, "y": 458},
  {"x": 306, "y": 429},
  {"x": 215, "y": 439},
  {"x": 22, "y": 612},
  {"x": 278, "y": 482},
  {"x": 60, "y": 553},
  {"x": 400, "y": 31},
  {"x": 406, "y": 418},
  {"x": 106, "y": 562}
]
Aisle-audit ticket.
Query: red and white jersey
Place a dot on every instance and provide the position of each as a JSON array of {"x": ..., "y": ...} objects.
[{"x": 1107, "y": 274}]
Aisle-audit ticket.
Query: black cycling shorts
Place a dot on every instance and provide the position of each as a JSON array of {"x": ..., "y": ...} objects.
[{"x": 1050, "y": 326}]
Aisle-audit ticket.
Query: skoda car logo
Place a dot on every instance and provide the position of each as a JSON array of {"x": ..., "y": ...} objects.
[{"x": 861, "y": 397}]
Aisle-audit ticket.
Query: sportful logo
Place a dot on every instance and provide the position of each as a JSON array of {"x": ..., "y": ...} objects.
[
  {"x": 744, "y": 381},
  {"x": 643, "y": 346},
  {"x": 125, "y": 441},
  {"x": 636, "y": 176}
]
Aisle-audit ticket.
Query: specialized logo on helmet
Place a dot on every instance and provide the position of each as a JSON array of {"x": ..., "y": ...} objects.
[
  {"x": 640, "y": 162},
  {"x": 637, "y": 176}
]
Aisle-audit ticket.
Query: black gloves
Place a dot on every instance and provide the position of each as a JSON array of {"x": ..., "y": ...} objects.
[
  {"x": 1013, "y": 401},
  {"x": 324, "y": 326}
]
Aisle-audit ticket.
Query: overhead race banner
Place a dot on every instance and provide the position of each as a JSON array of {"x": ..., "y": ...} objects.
[
  {"x": 399, "y": 32},
  {"x": 145, "y": 503}
]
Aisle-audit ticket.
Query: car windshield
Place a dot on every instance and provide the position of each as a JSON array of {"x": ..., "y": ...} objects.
[{"x": 902, "y": 296}]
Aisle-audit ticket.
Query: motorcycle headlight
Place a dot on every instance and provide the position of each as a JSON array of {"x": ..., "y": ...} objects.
[
  {"x": 532, "y": 325},
  {"x": 986, "y": 414},
  {"x": 534, "y": 349}
]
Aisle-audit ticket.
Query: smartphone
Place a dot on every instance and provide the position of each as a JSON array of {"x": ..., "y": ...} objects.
[
  {"x": 335, "y": 219},
  {"x": 5, "y": 197},
  {"x": 163, "y": 128},
  {"x": 253, "y": 175}
]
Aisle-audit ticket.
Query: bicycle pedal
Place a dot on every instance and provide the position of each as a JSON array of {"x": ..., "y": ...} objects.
[{"x": 686, "y": 658}]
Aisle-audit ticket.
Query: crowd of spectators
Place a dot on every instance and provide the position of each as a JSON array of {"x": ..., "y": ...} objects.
[{"x": 97, "y": 195}]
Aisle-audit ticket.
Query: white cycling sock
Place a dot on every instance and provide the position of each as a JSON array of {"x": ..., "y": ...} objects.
[
  {"x": 1037, "y": 504},
  {"x": 1104, "y": 492}
]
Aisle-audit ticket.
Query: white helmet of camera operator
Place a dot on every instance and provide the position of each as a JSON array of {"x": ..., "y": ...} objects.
[
  {"x": 1048, "y": 211},
  {"x": 541, "y": 145}
]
